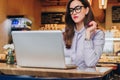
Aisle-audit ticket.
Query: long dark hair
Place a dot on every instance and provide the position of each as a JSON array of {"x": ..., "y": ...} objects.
[{"x": 69, "y": 29}]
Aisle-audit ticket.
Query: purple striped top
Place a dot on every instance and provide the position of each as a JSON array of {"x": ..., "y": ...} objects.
[{"x": 86, "y": 53}]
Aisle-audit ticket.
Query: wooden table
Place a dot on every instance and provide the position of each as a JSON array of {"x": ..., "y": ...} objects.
[
  {"x": 42, "y": 72},
  {"x": 114, "y": 66}
]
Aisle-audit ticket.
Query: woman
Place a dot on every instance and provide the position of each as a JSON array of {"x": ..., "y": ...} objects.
[{"x": 83, "y": 42}]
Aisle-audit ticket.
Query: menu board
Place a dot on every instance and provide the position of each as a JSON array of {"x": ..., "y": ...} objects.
[
  {"x": 52, "y": 18},
  {"x": 116, "y": 14}
]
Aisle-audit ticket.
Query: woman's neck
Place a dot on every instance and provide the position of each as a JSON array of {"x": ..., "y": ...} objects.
[{"x": 79, "y": 26}]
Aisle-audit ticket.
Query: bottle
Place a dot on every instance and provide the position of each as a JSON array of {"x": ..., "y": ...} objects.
[{"x": 10, "y": 57}]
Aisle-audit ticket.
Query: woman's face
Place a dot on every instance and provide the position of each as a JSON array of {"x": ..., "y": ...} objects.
[{"x": 77, "y": 11}]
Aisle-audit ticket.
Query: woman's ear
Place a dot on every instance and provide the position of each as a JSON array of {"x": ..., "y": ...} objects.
[{"x": 87, "y": 10}]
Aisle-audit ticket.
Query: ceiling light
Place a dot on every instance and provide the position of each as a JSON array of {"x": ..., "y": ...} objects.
[{"x": 103, "y": 4}]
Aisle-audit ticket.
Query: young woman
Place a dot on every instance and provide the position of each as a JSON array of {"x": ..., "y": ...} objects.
[{"x": 83, "y": 42}]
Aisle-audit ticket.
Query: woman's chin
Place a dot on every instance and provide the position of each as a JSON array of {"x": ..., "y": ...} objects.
[{"x": 76, "y": 21}]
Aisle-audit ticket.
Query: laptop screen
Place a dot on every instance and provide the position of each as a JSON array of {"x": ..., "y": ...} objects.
[{"x": 39, "y": 48}]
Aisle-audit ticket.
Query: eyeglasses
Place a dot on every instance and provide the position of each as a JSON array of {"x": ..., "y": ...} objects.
[{"x": 77, "y": 9}]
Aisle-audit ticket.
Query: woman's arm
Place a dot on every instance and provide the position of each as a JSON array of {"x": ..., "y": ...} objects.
[{"x": 93, "y": 48}]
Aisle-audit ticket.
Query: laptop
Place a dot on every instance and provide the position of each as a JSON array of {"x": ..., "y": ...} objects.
[{"x": 40, "y": 49}]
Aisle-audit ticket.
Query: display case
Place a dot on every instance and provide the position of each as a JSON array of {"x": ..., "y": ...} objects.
[{"x": 112, "y": 43}]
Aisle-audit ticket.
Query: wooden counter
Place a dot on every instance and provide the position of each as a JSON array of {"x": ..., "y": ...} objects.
[{"x": 42, "y": 72}]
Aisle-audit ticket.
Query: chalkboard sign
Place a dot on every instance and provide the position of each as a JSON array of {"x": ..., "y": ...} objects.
[
  {"x": 52, "y": 18},
  {"x": 116, "y": 14}
]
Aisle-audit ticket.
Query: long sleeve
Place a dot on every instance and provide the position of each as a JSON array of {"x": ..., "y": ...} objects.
[
  {"x": 94, "y": 48},
  {"x": 86, "y": 53}
]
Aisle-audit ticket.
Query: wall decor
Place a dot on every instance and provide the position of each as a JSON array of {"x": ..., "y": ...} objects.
[
  {"x": 116, "y": 14},
  {"x": 52, "y": 18}
]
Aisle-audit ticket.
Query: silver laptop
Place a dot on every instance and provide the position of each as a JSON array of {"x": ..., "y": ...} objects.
[{"x": 40, "y": 49}]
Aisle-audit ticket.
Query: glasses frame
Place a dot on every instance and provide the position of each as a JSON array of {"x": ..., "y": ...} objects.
[{"x": 77, "y": 9}]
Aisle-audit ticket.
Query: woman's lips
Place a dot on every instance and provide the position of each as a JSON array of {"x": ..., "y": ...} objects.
[{"x": 75, "y": 17}]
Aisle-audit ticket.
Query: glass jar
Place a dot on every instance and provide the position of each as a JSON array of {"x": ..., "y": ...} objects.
[{"x": 10, "y": 57}]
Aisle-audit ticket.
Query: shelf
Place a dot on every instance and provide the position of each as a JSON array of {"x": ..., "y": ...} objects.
[{"x": 114, "y": 39}]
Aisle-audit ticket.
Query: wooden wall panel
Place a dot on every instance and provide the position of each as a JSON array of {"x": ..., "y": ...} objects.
[
  {"x": 99, "y": 13},
  {"x": 108, "y": 17},
  {"x": 2, "y": 10},
  {"x": 28, "y": 9},
  {"x": 3, "y": 33},
  {"x": 37, "y": 12},
  {"x": 15, "y": 7}
]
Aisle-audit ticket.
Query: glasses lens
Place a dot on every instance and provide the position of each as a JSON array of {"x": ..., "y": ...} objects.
[
  {"x": 71, "y": 11},
  {"x": 77, "y": 9}
]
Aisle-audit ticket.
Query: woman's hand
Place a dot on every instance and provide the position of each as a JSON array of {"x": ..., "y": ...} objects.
[{"x": 92, "y": 26}]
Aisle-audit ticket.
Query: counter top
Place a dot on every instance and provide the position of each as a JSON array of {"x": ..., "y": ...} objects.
[
  {"x": 43, "y": 72},
  {"x": 109, "y": 59}
]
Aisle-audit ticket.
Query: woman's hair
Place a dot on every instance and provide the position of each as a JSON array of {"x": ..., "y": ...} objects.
[{"x": 69, "y": 29}]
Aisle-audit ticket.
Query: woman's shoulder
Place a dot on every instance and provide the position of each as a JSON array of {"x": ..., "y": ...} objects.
[
  {"x": 99, "y": 31},
  {"x": 99, "y": 34}
]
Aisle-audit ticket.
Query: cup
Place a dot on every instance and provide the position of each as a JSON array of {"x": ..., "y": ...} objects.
[{"x": 68, "y": 60}]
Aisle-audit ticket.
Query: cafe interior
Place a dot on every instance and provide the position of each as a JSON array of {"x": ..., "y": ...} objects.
[{"x": 30, "y": 15}]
